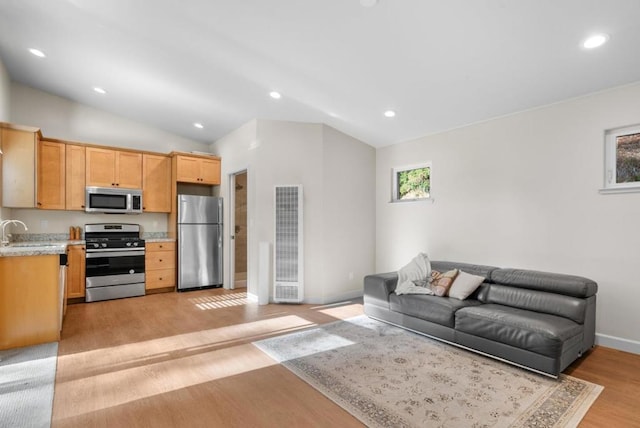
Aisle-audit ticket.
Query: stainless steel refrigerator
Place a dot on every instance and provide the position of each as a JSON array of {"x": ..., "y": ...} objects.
[{"x": 199, "y": 242}]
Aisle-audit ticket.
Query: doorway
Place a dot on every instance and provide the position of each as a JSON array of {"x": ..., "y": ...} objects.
[{"x": 239, "y": 232}]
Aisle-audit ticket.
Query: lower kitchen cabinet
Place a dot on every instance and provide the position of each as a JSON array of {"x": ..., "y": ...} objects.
[
  {"x": 160, "y": 265},
  {"x": 76, "y": 271},
  {"x": 29, "y": 300}
]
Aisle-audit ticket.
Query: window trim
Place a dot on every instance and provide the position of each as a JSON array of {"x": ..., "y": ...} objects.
[
  {"x": 610, "y": 185},
  {"x": 394, "y": 182}
]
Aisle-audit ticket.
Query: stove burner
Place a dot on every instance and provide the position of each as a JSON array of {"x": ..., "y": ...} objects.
[{"x": 113, "y": 236}]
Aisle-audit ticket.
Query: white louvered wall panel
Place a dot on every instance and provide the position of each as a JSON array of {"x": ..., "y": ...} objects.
[{"x": 288, "y": 257}]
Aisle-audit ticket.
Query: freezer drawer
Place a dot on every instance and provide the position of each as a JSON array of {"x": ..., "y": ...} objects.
[{"x": 199, "y": 256}]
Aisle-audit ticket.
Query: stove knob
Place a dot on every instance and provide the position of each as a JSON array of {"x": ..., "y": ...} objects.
[
  {"x": 135, "y": 244},
  {"x": 96, "y": 246},
  {"x": 104, "y": 245},
  {"x": 128, "y": 244}
]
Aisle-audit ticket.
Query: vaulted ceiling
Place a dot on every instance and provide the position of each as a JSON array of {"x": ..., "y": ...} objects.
[{"x": 438, "y": 64}]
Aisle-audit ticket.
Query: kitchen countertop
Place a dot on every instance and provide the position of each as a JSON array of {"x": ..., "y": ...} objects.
[
  {"x": 33, "y": 249},
  {"x": 41, "y": 248}
]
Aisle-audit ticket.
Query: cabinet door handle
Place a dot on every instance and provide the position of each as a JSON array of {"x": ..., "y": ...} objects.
[{"x": 160, "y": 260}]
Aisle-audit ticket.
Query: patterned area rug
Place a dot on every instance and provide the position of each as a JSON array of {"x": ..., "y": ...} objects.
[
  {"x": 27, "y": 377},
  {"x": 388, "y": 377}
]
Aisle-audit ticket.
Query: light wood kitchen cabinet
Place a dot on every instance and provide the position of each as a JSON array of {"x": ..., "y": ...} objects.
[
  {"x": 30, "y": 300},
  {"x": 113, "y": 168},
  {"x": 75, "y": 177},
  {"x": 19, "y": 145},
  {"x": 201, "y": 170},
  {"x": 51, "y": 188},
  {"x": 160, "y": 265},
  {"x": 156, "y": 183},
  {"x": 75, "y": 271}
]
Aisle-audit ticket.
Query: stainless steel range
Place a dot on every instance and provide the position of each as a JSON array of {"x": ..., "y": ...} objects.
[{"x": 114, "y": 261}]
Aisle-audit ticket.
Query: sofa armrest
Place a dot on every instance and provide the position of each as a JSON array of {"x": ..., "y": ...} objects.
[{"x": 378, "y": 287}]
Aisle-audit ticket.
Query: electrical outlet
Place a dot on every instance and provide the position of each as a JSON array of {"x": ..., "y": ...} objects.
[
  {"x": 44, "y": 224},
  {"x": 350, "y": 276}
]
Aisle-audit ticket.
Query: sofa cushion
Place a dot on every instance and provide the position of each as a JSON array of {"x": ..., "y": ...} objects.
[
  {"x": 441, "y": 281},
  {"x": 439, "y": 310},
  {"x": 464, "y": 285},
  {"x": 543, "y": 334},
  {"x": 480, "y": 270},
  {"x": 569, "y": 285},
  {"x": 540, "y": 301}
]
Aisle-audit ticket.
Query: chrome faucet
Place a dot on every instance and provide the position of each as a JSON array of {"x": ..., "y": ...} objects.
[{"x": 4, "y": 224}]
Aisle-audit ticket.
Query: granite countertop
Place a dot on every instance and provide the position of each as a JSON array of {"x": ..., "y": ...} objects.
[
  {"x": 46, "y": 244},
  {"x": 42, "y": 248},
  {"x": 33, "y": 249},
  {"x": 160, "y": 240}
]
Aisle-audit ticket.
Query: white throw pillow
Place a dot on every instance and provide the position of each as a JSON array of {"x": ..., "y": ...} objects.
[
  {"x": 464, "y": 285},
  {"x": 418, "y": 269}
]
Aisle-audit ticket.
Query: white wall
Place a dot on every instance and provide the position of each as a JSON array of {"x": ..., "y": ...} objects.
[
  {"x": 348, "y": 214},
  {"x": 238, "y": 152},
  {"x": 276, "y": 152},
  {"x": 5, "y": 87},
  {"x": 64, "y": 119},
  {"x": 522, "y": 191},
  {"x": 67, "y": 120}
]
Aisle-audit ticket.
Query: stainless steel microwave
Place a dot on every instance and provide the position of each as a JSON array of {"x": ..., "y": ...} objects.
[{"x": 113, "y": 200}]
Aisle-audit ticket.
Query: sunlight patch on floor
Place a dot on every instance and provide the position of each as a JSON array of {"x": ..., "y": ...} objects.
[
  {"x": 220, "y": 301},
  {"x": 104, "y": 378},
  {"x": 343, "y": 311}
]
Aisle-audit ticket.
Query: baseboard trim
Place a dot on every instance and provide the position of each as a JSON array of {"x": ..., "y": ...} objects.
[
  {"x": 334, "y": 299},
  {"x": 618, "y": 343},
  {"x": 252, "y": 298}
]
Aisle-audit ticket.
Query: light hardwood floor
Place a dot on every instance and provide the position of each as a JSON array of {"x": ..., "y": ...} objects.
[{"x": 186, "y": 360}]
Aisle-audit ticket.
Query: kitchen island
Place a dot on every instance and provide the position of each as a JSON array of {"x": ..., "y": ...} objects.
[{"x": 31, "y": 294}]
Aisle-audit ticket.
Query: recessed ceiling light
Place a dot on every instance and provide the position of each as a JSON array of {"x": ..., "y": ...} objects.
[
  {"x": 198, "y": 125},
  {"x": 389, "y": 113},
  {"x": 37, "y": 52},
  {"x": 595, "y": 41},
  {"x": 275, "y": 95},
  {"x": 99, "y": 90},
  {"x": 368, "y": 3}
]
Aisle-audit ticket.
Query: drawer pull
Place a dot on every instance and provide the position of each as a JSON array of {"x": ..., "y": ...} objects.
[{"x": 160, "y": 260}]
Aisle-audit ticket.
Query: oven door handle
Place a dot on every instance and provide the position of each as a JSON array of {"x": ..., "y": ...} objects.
[
  {"x": 117, "y": 253},
  {"x": 113, "y": 250}
]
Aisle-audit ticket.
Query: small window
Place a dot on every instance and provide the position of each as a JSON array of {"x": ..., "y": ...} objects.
[
  {"x": 411, "y": 183},
  {"x": 622, "y": 163}
]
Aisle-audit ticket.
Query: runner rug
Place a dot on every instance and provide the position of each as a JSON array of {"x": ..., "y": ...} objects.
[
  {"x": 389, "y": 377},
  {"x": 27, "y": 378}
]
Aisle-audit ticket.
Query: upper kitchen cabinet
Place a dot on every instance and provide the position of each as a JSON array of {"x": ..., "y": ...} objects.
[
  {"x": 19, "y": 145},
  {"x": 197, "y": 169},
  {"x": 156, "y": 183},
  {"x": 51, "y": 175},
  {"x": 75, "y": 177},
  {"x": 113, "y": 168}
]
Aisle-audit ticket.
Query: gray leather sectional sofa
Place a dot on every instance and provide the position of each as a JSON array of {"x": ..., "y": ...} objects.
[{"x": 541, "y": 321}]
